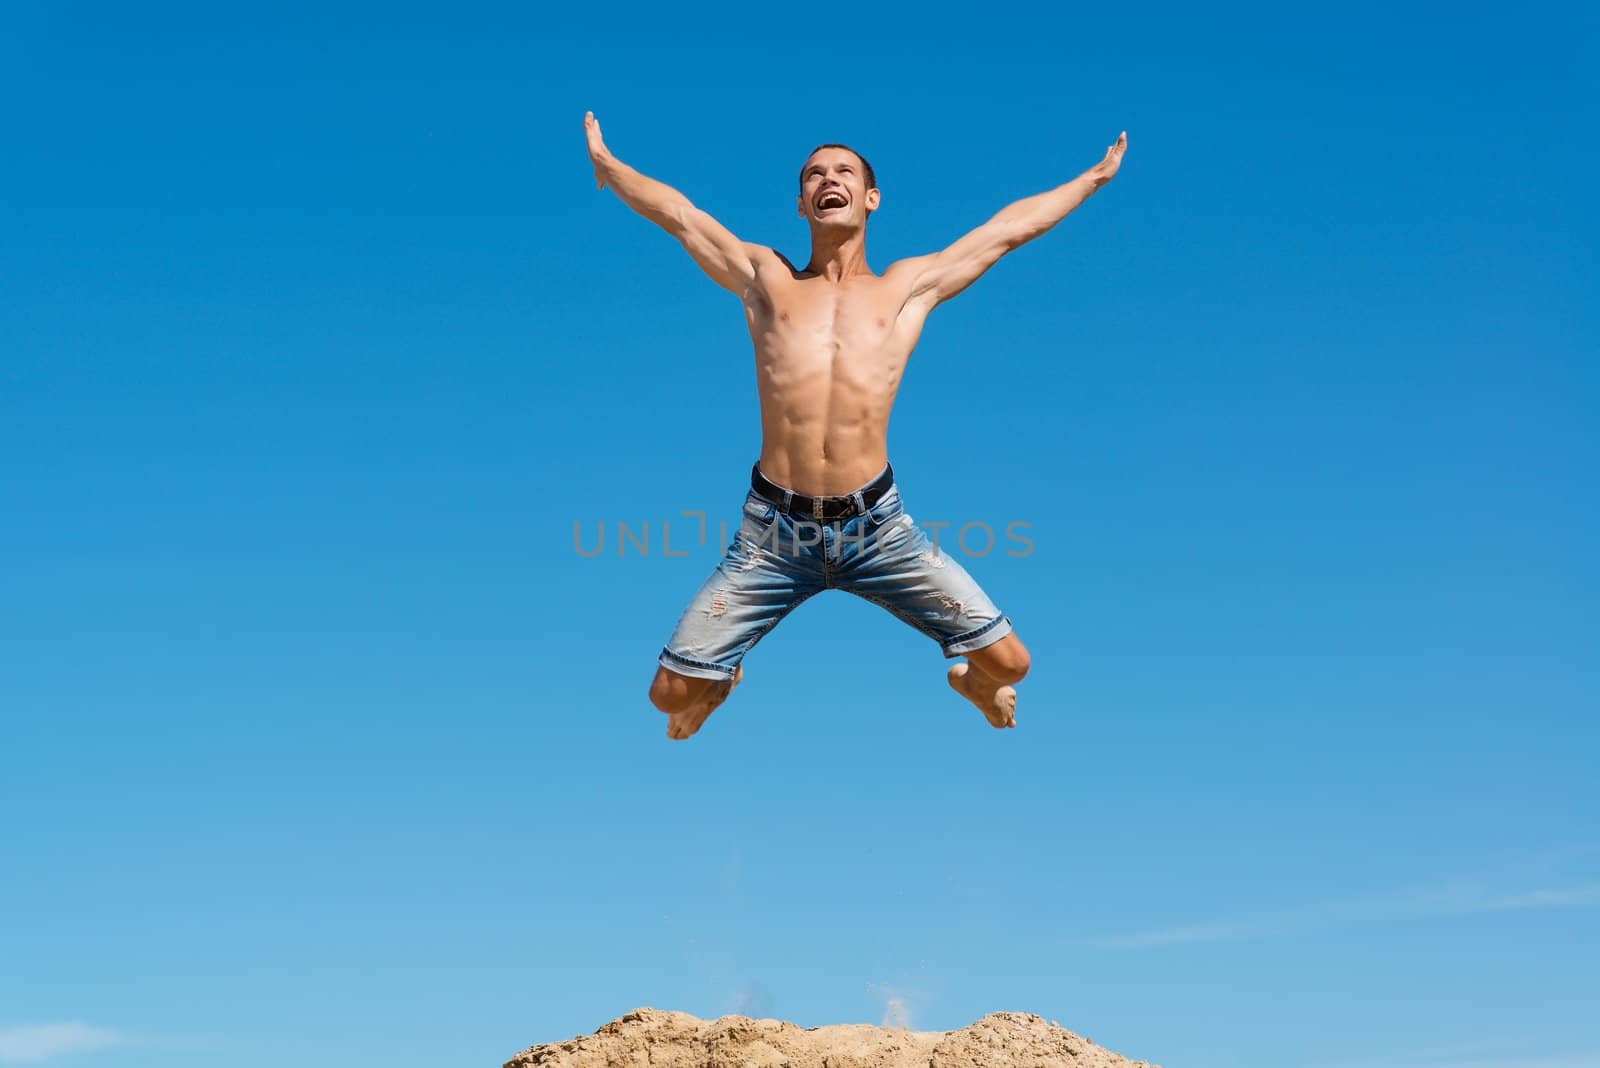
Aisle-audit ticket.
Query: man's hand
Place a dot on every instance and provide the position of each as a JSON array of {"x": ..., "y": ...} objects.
[
  {"x": 599, "y": 155},
  {"x": 1107, "y": 168}
]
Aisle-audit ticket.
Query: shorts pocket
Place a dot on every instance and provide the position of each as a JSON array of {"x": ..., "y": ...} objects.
[
  {"x": 759, "y": 509},
  {"x": 887, "y": 510},
  {"x": 760, "y": 521}
]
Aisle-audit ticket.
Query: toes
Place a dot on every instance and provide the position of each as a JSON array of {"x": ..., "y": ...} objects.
[
  {"x": 686, "y": 721},
  {"x": 684, "y": 724},
  {"x": 1005, "y": 706}
]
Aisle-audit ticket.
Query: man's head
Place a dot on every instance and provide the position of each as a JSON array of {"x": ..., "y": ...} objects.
[{"x": 837, "y": 187}]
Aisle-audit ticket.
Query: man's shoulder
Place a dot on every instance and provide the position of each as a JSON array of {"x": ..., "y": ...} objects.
[
  {"x": 911, "y": 266},
  {"x": 765, "y": 251},
  {"x": 766, "y": 256}
]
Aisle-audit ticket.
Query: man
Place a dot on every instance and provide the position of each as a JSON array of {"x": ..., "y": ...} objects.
[{"x": 831, "y": 341}]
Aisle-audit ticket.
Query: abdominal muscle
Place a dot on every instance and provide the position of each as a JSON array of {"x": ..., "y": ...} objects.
[
  {"x": 828, "y": 366},
  {"x": 824, "y": 414},
  {"x": 823, "y": 447}
]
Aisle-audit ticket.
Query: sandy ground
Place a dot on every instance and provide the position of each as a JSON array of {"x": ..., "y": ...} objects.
[{"x": 651, "y": 1038}]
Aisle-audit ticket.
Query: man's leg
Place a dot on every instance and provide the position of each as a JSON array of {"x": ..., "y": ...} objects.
[
  {"x": 760, "y": 580},
  {"x": 688, "y": 701},
  {"x": 988, "y": 679},
  {"x": 896, "y": 565}
]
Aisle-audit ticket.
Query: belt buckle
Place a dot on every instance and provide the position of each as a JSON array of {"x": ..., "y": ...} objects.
[{"x": 816, "y": 508}]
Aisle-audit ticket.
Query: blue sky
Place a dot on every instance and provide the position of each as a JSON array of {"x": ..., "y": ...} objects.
[{"x": 319, "y": 741}]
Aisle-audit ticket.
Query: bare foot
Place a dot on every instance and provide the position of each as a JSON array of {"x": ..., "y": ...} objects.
[
  {"x": 682, "y": 724},
  {"x": 997, "y": 703}
]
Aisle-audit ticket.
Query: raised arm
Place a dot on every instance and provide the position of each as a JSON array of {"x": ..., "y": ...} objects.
[
  {"x": 729, "y": 261},
  {"x": 944, "y": 274}
]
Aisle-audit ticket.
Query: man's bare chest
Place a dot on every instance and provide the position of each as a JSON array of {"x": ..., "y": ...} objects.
[{"x": 810, "y": 317}]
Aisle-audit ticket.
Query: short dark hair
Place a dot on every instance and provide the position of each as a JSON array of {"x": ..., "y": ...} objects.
[{"x": 866, "y": 168}]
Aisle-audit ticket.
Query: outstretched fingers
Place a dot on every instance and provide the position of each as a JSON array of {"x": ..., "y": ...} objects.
[
  {"x": 1108, "y": 166},
  {"x": 597, "y": 147}
]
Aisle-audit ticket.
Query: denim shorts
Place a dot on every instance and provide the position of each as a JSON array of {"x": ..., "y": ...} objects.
[{"x": 776, "y": 560}]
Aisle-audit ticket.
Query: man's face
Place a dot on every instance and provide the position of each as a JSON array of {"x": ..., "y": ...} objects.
[{"x": 833, "y": 190}]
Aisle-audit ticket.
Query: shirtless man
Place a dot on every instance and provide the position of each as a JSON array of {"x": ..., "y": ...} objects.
[{"x": 831, "y": 341}]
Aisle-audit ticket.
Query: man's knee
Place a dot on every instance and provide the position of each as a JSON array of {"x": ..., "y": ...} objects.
[
  {"x": 672, "y": 692},
  {"x": 1006, "y": 661}
]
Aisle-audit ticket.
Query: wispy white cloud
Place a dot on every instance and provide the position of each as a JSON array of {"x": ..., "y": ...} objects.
[
  {"x": 1582, "y": 1060},
  {"x": 31, "y": 1043},
  {"x": 1455, "y": 898},
  {"x": 1586, "y": 1060},
  {"x": 1555, "y": 898}
]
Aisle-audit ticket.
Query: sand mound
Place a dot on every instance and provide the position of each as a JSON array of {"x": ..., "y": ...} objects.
[{"x": 650, "y": 1038}]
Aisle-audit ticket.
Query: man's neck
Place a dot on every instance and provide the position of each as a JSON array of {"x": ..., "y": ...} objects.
[{"x": 837, "y": 257}]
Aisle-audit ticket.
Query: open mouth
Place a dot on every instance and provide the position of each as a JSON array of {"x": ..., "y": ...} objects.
[{"x": 831, "y": 199}]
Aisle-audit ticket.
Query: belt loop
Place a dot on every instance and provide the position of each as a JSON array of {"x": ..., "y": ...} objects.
[
  {"x": 861, "y": 502},
  {"x": 788, "y": 499}
]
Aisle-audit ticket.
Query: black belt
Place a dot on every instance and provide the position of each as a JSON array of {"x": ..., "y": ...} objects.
[{"x": 821, "y": 507}]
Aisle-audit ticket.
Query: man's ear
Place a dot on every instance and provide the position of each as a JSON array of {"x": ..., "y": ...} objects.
[
  {"x": 800, "y": 204},
  {"x": 873, "y": 197}
]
